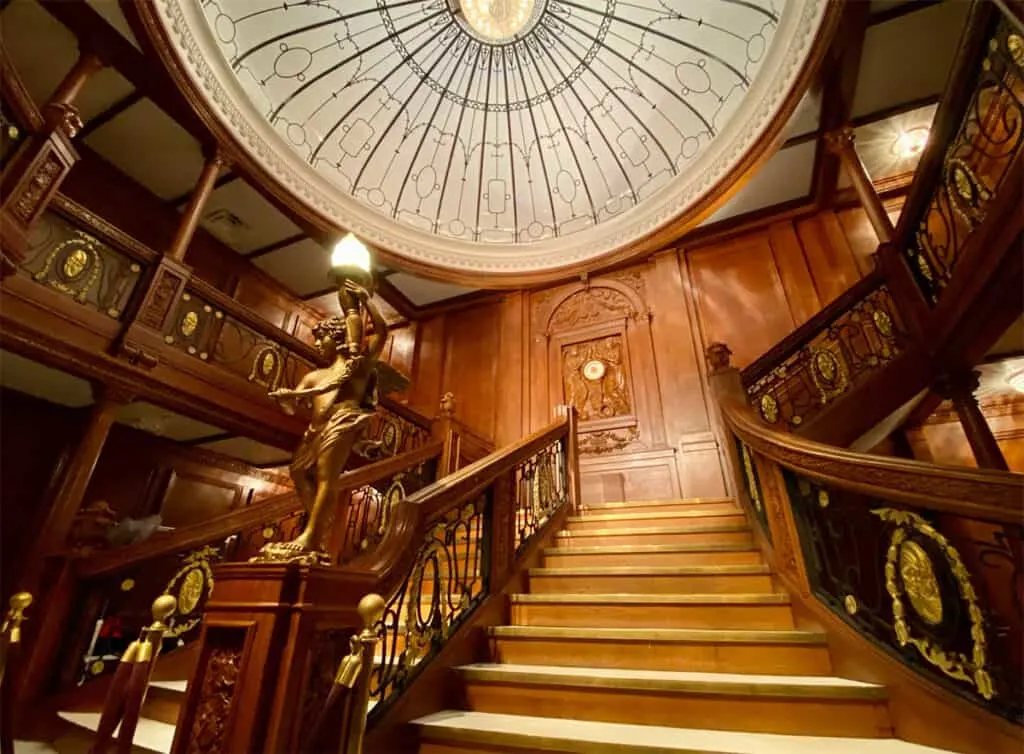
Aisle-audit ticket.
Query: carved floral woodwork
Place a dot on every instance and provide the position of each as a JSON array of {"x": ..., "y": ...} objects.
[
  {"x": 594, "y": 378},
  {"x": 607, "y": 441},
  {"x": 590, "y": 305},
  {"x": 209, "y": 729}
]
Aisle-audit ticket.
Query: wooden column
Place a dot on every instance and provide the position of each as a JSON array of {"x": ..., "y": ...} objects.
[
  {"x": 76, "y": 477},
  {"x": 196, "y": 202},
  {"x": 41, "y": 164},
  {"x": 841, "y": 144},
  {"x": 45, "y": 568},
  {"x": 959, "y": 386}
]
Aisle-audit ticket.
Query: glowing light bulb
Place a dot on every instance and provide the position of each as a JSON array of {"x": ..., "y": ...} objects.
[
  {"x": 351, "y": 252},
  {"x": 910, "y": 143},
  {"x": 497, "y": 20},
  {"x": 1016, "y": 381}
]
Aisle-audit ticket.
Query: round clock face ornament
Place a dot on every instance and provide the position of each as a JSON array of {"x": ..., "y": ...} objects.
[{"x": 593, "y": 370}]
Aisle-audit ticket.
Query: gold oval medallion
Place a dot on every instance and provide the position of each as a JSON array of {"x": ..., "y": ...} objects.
[
  {"x": 919, "y": 582},
  {"x": 189, "y": 323},
  {"x": 826, "y": 365},
  {"x": 190, "y": 591},
  {"x": 850, "y": 603},
  {"x": 97, "y": 667},
  {"x": 75, "y": 263},
  {"x": 769, "y": 408},
  {"x": 883, "y": 322},
  {"x": 267, "y": 363},
  {"x": 1015, "y": 44}
]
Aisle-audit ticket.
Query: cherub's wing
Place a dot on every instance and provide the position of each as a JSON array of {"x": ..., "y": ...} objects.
[{"x": 389, "y": 379}]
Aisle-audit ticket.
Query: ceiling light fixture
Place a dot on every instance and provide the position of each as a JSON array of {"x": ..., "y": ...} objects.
[
  {"x": 497, "y": 20},
  {"x": 1016, "y": 381},
  {"x": 910, "y": 143}
]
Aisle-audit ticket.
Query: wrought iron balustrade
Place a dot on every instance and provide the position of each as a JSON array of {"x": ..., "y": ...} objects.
[
  {"x": 542, "y": 487},
  {"x": 984, "y": 140},
  {"x": 837, "y": 350}
]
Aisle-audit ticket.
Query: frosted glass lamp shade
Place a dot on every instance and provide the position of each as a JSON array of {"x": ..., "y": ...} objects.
[{"x": 351, "y": 252}]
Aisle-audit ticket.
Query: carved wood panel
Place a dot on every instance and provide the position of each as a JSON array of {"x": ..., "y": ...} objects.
[
  {"x": 218, "y": 677},
  {"x": 594, "y": 378}
]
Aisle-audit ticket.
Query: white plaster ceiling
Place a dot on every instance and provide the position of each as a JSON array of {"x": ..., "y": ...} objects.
[
  {"x": 40, "y": 381},
  {"x": 908, "y": 57},
  {"x": 597, "y": 124}
]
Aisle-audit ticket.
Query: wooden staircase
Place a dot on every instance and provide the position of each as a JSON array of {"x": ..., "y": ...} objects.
[{"x": 658, "y": 627}]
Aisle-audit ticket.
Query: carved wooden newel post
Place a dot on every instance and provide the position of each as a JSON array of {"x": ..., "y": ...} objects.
[{"x": 274, "y": 635}]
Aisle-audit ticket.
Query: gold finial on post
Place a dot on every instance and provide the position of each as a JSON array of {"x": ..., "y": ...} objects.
[
  {"x": 163, "y": 608},
  {"x": 448, "y": 404},
  {"x": 15, "y": 615},
  {"x": 153, "y": 636}
]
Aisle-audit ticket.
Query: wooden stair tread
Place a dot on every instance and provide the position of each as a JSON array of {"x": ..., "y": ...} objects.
[
  {"x": 698, "y": 529},
  {"x": 695, "y": 570},
  {"x": 682, "y": 635},
  {"x": 768, "y": 598},
  {"x": 643, "y": 549},
  {"x": 681, "y": 502},
  {"x": 586, "y": 737},
  {"x": 824, "y": 687},
  {"x": 150, "y": 735},
  {"x": 599, "y": 517},
  {"x": 179, "y": 686}
]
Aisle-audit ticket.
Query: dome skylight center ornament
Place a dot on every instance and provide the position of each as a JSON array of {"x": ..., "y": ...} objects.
[{"x": 497, "y": 20}]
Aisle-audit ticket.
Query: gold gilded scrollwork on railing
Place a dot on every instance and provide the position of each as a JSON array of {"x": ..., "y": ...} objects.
[
  {"x": 909, "y": 571},
  {"x": 446, "y": 583},
  {"x": 541, "y": 489},
  {"x": 976, "y": 162},
  {"x": 856, "y": 343},
  {"x": 190, "y": 587}
]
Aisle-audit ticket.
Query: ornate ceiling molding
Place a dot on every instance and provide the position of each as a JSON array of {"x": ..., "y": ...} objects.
[{"x": 622, "y": 118}]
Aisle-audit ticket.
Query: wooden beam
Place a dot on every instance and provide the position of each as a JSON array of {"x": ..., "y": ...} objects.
[
  {"x": 838, "y": 84},
  {"x": 141, "y": 71},
  {"x": 272, "y": 247},
  {"x": 100, "y": 120}
]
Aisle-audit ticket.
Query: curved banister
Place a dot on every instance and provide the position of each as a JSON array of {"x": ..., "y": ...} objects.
[
  {"x": 805, "y": 332},
  {"x": 983, "y": 494},
  {"x": 413, "y": 514},
  {"x": 220, "y": 527},
  {"x": 400, "y": 409}
]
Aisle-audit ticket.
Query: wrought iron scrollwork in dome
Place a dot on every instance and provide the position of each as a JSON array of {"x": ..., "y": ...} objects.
[
  {"x": 598, "y": 101},
  {"x": 944, "y": 601},
  {"x": 858, "y": 342},
  {"x": 541, "y": 488},
  {"x": 975, "y": 164},
  {"x": 447, "y": 582}
]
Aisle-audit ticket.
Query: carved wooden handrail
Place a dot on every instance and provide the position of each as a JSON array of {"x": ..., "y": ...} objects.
[
  {"x": 402, "y": 410},
  {"x": 223, "y": 526},
  {"x": 805, "y": 332},
  {"x": 981, "y": 494}
]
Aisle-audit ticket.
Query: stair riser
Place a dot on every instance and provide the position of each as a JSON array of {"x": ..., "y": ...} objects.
[
  {"x": 162, "y": 705},
  {"x": 680, "y": 559},
  {"x": 654, "y": 616},
  {"x": 809, "y": 717},
  {"x": 605, "y": 584},
  {"x": 656, "y": 507},
  {"x": 594, "y": 523},
  {"x": 739, "y": 537},
  {"x": 782, "y": 659}
]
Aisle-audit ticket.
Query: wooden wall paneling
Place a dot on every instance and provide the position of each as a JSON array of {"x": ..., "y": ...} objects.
[
  {"x": 677, "y": 357},
  {"x": 788, "y": 253},
  {"x": 512, "y": 370},
  {"x": 860, "y": 237},
  {"x": 425, "y": 390},
  {"x": 471, "y": 365},
  {"x": 740, "y": 297},
  {"x": 832, "y": 264},
  {"x": 643, "y": 475},
  {"x": 537, "y": 362},
  {"x": 266, "y": 300}
]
